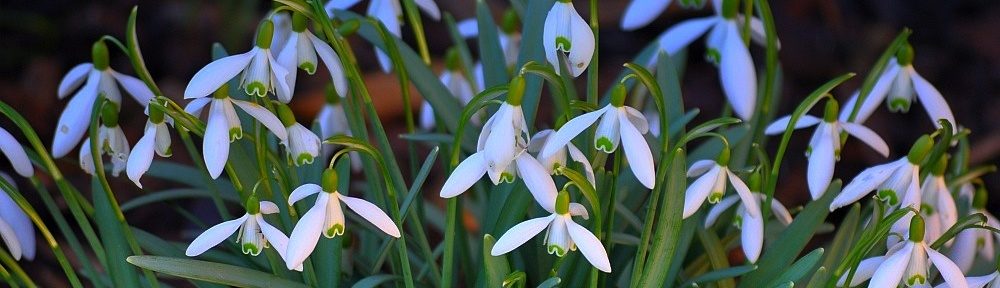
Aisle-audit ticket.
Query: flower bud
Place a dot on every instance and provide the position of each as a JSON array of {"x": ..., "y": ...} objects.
[
  {"x": 253, "y": 205},
  {"x": 562, "y": 203},
  {"x": 510, "y": 22},
  {"x": 99, "y": 54},
  {"x": 285, "y": 114},
  {"x": 109, "y": 114},
  {"x": 618, "y": 95},
  {"x": 265, "y": 34},
  {"x": 917, "y": 228},
  {"x": 329, "y": 182},
  {"x": 515, "y": 90},
  {"x": 299, "y": 22},
  {"x": 920, "y": 149}
]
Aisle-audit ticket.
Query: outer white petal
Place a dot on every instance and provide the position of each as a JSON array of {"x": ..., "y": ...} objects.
[
  {"x": 890, "y": 273},
  {"x": 750, "y": 201},
  {"x": 520, "y": 233},
  {"x": 577, "y": 209},
  {"x": 577, "y": 155},
  {"x": 739, "y": 79},
  {"x": 215, "y": 235},
  {"x": 306, "y": 233},
  {"x": 778, "y": 126},
  {"x": 302, "y": 192},
  {"x": 697, "y": 193},
  {"x": 719, "y": 208},
  {"x": 464, "y": 176},
  {"x": 10, "y": 239},
  {"x": 141, "y": 156},
  {"x": 637, "y": 119},
  {"x": 932, "y": 100},
  {"x": 427, "y": 120},
  {"x": 19, "y": 223},
  {"x": 86, "y": 159},
  {"x": 15, "y": 154},
  {"x": 589, "y": 246},
  {"x": 780, "y": 212},
  {"x": 340, "y": 5},
  {"x": 333, "y": 64},
  {"x": 538, "y": 181},
  {"x": 700, "y": 167},
  {"x": 975, "y": 282},
  {"x": 822, "y": 160},
  {"x": 640, "y": 159},
  {"x": 288, "y": 58},
  {"x": 865, "y": 182},
  {"x": 963, "y": 249},
  {"x": 641, "y": 12},
  {"x": 277, "y": 239},
  {"x": 197, "y": 105},
  {"x": 752, "y": 236},
  {"x": 865, "y": 271},
  {"x": 74, "y": 78},
  {"x": 268, "y": 207},
  {"x": 75, "y": 118},
  {"x": 135, "y": 87},
  {"x": 265, "y": 117},
  {"x": 877, "y": 96},
  {"x": 499, "y": 150},
  {"x": 468, "y": 28},
  {"x": 372, "y": 213},
  {"x": 868, "y": 136},
  {"x": 213, "y": 75},
  {"x": 430, "y": 8},
  {"x": 949, "y": 271},
  {"x": 570, "y": 130},
  {"x": 215, "y": 146},
  {"x": 682, "y": 34},
  {"x": 583, "y": 44}
]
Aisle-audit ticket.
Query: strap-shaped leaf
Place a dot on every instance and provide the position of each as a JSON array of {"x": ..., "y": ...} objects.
[{"x": 210, "y": 272}]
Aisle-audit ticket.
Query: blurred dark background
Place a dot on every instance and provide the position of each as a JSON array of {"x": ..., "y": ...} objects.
[{"x": 956, "y": 43}]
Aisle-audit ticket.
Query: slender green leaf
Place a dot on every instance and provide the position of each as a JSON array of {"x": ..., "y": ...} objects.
[
  {"x": 550, "y": 283},
  {"x": 492, "y": 55},
  {"x": 210, "y": 272},
  {"x": 173, "y": 194},
  {"x": 967, "y": 222},
  {"x": 496, "y": 267},
  {"x": 799, "y": 269},
  {"x": 668, "y": 227},
  {"x": 841, "y": 243},
  {"x": 716, "y": 275}
]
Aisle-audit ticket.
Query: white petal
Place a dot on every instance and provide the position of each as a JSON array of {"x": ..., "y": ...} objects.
[
  {"x": 19, "y": 223},
  {"x": 739, "y": 79},
  {"x": 216, "y": 140},
  {"x": 213, "y": 236},
  {"x": 589, "y": 246},
  {"x": 468, "y": 28},
  {"x": 195, "y": 106},
  {"x": 865, "y": 182},
  {"x": 305, "y": 235},
  {"x": 780, "y": 212},
  {"x": 213, "y": 75},
  {"x": 86, "y": 159},
  {"x": 499, "y": 150},
  {"x": 10, "y": 239},
  {"x": 641, "y": 12},
  {"x": 637, "y": 119},
  {"x": 464, "y": 176},
  {"x": 537, "y": 141},
  {"x": 268, "y": 207},
  {"x": 288, "y": 58},
  {"x": 865, "y": 271},
  {"x": 757, "y": 32},
  {"x": 696, "y": 194},
  {"x": 265, "y": 117},
  {"x": 751, "y": 202},
  {"x": 890, "y": 272},
  {"x": 700, "y": 167},
  {"x": 142, "y": 156},
  {"x": 949, "y": 271},
  {"x": 868, "y": 136},
  {"x": 577, "y": 155},
  {"x": 752, "y": 236},
  {"x": 520, "y": 233},
  {"x": 582, "y": 50},
  {"x": 277, "y": 239},
  {"x": 75, "y": 118},
  {"x": 430, "y": 8},
  {"x": 577, "y": 209},
  {"x": 427, "y": 121},
  {"x": 719, "y": 208},
  {"x": 822, "y": 160},
  {"x": 570, "y": 130},
  {"x": 932, "y": 100},
  {"x": 74, "y": 78},
  {"x": 302, "y": 192},
  {"x": 875, "y": 98},
  {"x": 963, "y": 249},
  {"x": 340, "y": 4},
  {"x": 538, "y": 181},
  {"x": 974, "y": 282},
  {"x": 682, "y": 34},
  {"x": 640, "y": 159},
  {"x": 372, "y": 213},
  {"x": 778, "y": 126},
  {"x": 333, "y": 64},
  {"x": 15, "y": 154},
  {"x": 135, "y": 87}
]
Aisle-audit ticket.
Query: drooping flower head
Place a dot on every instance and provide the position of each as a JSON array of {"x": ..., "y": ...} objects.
[
  {"x": 711, "y": 186},
  {"x": 508, "y": 36},
  {"x": 111, "y": 141},
  {"x": 16, "y": 229},
  {"x": 897, "y": 183},
  {"x": 455, "y": 82},
  {"x": 972, "y": 244},
  {"x": 262, "y": 74},
  {"x": 566, "y": 32},
  {"x": 156, "y": 138},
  {"x": 302, "y": 144},
  {"x": 254, "y": 235},
  {"x": 751, "y": 228},
  {"x": 300, "y": 51}
]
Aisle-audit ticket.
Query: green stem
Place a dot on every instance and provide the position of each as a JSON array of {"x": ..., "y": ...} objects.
[
  {"x": 15, "y": 269},
  {"x": 74, "y": 243}
]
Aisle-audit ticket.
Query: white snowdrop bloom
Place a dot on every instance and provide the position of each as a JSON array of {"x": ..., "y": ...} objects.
[
  {"x": 711, "y": 185},
  {"x": 254, "y": 233},
  {"x": 558, "y": 159},
  {"x": 896, "y": 182},
  {"x": 896, "y": 86},
  {"x": 223, "y": 126},
  {"x": 751, "y": 228},
  {"x": 566, "y": 32},
  {"x": 300, "y": 52},
  {"x": 390, "y": 13},
  {"x": 937, "y": 205},
  {"x": 563, "y": 235},
  {"x": 824, "y": 147},
  {"x": 907, "y": 263},
  {"x": 262, "y": 74},
  {"x": 508, "y": 36},
  {"x": 618, "y": 123},
  {"x": 111, "y": 141},
  {"x": 326, "y": 217},
  {"x": 726, "y": 48},
  {"x": 282, "y": 31},
  {"x": 972, "y": 244},
  {"x": 502, "y": 154},
  {"x": 96, "y": 79},
  {"x": 991, "y": 280},
  {"x": 155, "y": 139},
  {"x": 16, "y": 229},
  {"x": 456, "y": 83},
  {"x": 332, "y": 121},
  {"x": 302, "y": 144},
  {"x": 15, "y": 154}
]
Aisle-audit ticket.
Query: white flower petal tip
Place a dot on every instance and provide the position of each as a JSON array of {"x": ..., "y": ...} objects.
[
  {"x": 15, "y": 154},
  {"x": 739, "y": 77},
  {"x": 464, "y": 176},
  {"x": 520, "y": 233},
  {"x": 639, "y": 13},
  {"x": 216, "y": 73}
]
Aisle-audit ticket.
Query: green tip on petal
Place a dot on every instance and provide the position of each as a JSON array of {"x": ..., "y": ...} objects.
[
  {"x": 109, "y": 114},
  {"x": 308, "y": 67},
  {"x": 331, "y": 95},
  {"x": 562, "y": 203},
  {"x": 605, "y": 145},
  {"x": 330, "y": 180},
  {"x": 510, "y": 22},
  {"x": 334, "y": 231},
  {"x": 285, "y": 114},
  {"x": 916, "y": 280},
  {"x": 713, "y": 56},
  {"x": 235, "y": 133},
  {"x": 715, "y": 197},
  {"x": 558, "y": 251},
  {"x": 738, "y": 221},
  {"x": 920, "y": 149},
  {"x": 917, "y": 228},
  {"x": 265, "y": 34},
  {"x": 256, "y": 88},
  {"x": 887, "y": 195},
  {"x": 298, "y": 22},
  {"x": 904, "y": 56},
  {"x": 618, "y": 95},
  {"x": 831, "y": 111},
  {"x": 563, "y": 44},
  {"x": 899, "y": 104},
  {"x": 249, "y": 248},
  {"x": 303, "y": 159},
  {"x": 515, "y": 92},
  {"x": 926, "y": 209},
  {"x": 253, "y": 205},
  {"x": 99, "y": 54},
  {"x": 506, "y": 177}
]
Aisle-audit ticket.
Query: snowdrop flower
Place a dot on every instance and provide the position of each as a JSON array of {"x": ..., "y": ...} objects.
[
  {"x": 751, "y": 227},
  {"x": 824, "y": 147},
  {"x": 617, "y": 123},
  {"x": 991, "y": 280},
  {"x": 907, "y": 263},
  {"x": 282, "y": 31},
  {"x": 262, "y": 74},
  {"x": 16, "y": 229},
  {"x": 224, "y": 127},
  {"x": 15, "y": 154},
  {"x": 711, "y": 185},
  {"x": 566, "y": 32},
  {"x": 553, "y": 162},
  {"x": 508, "y": 36},
  {"x": 96, "y": 79},
  {"x": 326, "y": 217},
  {"x": 302, "y": 144},
  {"x": 332, "y": 121},
  {"x": 895, "y": 181},
  {"x": 391, "y": 14},
  {"x": 563, "y": 235},
  {"x": 971, "y": 244},
  {"x": 456, "y": 83},
  {"x": 937, "y": 205},
  {"x": 111, "y": 141},
  {"x": 897, "y": 86},
  {"x": 726, "y": 48},
  {"x": 300, "y": 51},
  {"x": 156, "y": 138},
  {"x": 255, "y": 234},
  {"x": 501, "y": 154}
]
